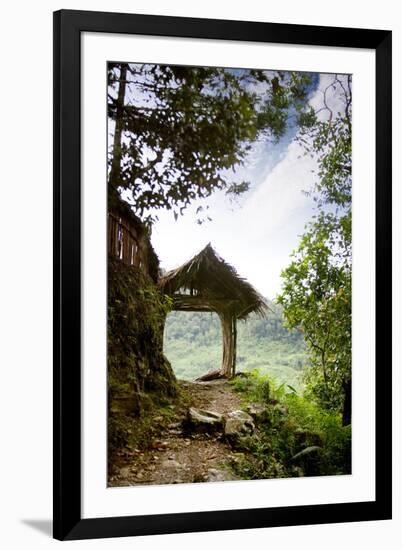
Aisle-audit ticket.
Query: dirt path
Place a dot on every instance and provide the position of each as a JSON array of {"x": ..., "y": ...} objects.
[{"x": 176, "y": 456}]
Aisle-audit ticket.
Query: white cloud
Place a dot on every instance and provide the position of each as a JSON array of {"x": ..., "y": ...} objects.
[
  {"x": 258, "y": 237},
  {"x": 333, "y": 94}
]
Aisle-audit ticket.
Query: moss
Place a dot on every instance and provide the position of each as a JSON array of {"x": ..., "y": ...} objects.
[{"x": 139, "y": 375}]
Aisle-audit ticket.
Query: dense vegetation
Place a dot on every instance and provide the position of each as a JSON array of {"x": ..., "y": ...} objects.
[
  {"x": 317, "y": 285},
  {"x": 193, "y": 345},
  {"x": 294, "y": 437}
]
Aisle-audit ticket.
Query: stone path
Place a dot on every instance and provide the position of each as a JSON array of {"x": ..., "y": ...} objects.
[{"x": 179, "y": 455}]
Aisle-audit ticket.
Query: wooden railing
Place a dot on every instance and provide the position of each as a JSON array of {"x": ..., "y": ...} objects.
[
  {"x": 123, "y": 240},
  {"x": 129, "y": 241}
]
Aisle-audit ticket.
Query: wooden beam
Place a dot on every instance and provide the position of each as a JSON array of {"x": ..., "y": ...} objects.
[{"x": 186, "y": 302}]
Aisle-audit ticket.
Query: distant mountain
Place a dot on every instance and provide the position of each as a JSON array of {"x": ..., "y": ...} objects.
[{"x": 192, "y": 343}]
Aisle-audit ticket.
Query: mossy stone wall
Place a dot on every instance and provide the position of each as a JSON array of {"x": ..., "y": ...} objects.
[{"x": 139, "y": 374}]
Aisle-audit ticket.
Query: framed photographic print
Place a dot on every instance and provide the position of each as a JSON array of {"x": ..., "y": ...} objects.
[{"x": 222, "y": 275}]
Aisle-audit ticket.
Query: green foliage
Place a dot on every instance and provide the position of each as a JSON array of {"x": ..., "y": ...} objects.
[
  {"x": 193, "y": 345},
  {"x": 316, "y": 297},
  {"x": 291, "y": 424},
  {"x": 184, "y": 128},
  {"x": 317, "y": 292},
  {"x": 256, "y": 386},
  {"x": 331, "y": 141}
]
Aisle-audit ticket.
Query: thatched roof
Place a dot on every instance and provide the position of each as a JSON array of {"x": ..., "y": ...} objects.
[{"x": 208, "y": 276}]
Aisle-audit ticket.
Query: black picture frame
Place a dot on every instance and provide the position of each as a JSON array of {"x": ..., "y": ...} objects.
[{"x": 68, "y": 26}]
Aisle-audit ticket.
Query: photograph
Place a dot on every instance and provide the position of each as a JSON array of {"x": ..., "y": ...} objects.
[
  {"x": 229, "y": 274},
  {"x": 201, "y": 292}
]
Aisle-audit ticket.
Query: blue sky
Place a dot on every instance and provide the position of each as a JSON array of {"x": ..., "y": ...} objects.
[{"x": 258, "y": 233}]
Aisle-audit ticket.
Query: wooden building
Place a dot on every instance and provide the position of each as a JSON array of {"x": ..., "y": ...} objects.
[{"x": 129, "y": 240}]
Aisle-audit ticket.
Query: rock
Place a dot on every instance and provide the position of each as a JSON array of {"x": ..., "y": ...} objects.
[
  {"x": 201, "y": 420},
  {"x": 171, "y": 464},
  {"x": 258, "y": 411},
  {"x": 125, "y": 471},
  {"x": 174, "y": 425},
  {"x": 240, "y": 414},
  {"x": 238, "y": 423},
  {"x": 219, "y": 475},
  {"x": 175, "y": 432}
]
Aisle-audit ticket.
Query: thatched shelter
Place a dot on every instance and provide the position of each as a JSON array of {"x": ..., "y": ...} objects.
[{"x": 208, "y": 283}]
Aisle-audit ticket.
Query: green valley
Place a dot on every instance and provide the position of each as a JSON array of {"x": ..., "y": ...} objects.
[{"x": 192, "y": 343}]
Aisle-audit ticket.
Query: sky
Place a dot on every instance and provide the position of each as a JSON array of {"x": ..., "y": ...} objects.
[{"x": 258, "y": 234}]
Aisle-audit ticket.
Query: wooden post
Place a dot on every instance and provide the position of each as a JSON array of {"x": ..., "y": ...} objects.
[
  {"x": 228, "y": 344},
  {"x": 188, "y": 302},
  {"x": 234, "y": 345}
]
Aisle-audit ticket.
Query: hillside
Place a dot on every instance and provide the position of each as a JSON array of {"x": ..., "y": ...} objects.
[{"x": 192, "y": 343}]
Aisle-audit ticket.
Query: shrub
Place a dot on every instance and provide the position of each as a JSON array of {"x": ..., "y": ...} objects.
[{"x": 291, "y": 424}]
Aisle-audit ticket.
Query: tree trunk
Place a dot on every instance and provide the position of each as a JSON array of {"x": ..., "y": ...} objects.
[
  {"x": 347, "y": 403},
  {"x": 228, "y": 342},
  {"x": 114, "y": 177}
]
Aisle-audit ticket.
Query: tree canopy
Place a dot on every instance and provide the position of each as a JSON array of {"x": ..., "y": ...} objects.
[
  {"x": 317, "y": 285},
  {"x": 179, "y": 132}
]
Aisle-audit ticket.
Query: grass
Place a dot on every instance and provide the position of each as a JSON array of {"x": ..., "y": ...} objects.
[{"x": 290, "y": 425}]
